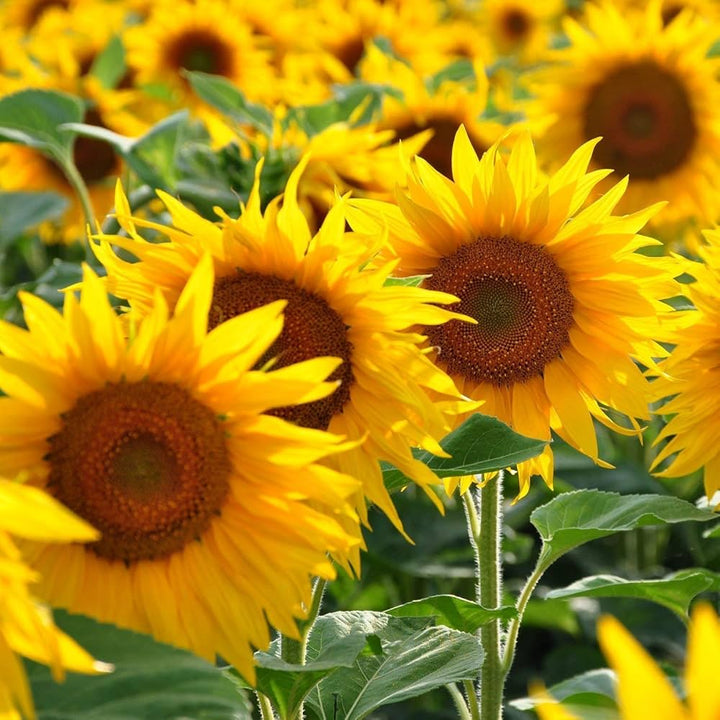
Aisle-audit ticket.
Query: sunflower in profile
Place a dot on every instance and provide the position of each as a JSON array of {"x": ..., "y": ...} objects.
[
  {"x": 436, "y": 113},
  {"x": 26, "y": 626},
  {"x": 563, "y": 303},
  {"x": 160, "y": 442},
  {"x": 201, "y": 36},
  {"x": 651, "y": 93},
  {"x": 643, "y": 688},
  {"x": 337, "y": 305},
  {"x": 690, "y": 377}
]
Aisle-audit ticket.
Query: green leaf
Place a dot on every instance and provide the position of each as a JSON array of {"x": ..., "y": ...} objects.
[
  {"x": 574, "y": 518},
  {"x": 109, "y": 66},
  {"x": 412, "y": 281},
  {"x": 453, "y": 612},
  {"x": 481, "y": 444},
  {"x": 590, "y": 696},
  {"x": 22, "y": 210},
  {"x": 151, "y": 680},
  {"x": 413, "y": 661},
  {"x": 120, "y": 142},
  {"x": 287, "y": 685},
  {"x": 458, "y": 71},
  {"x": 230, "y": 101},
  {"x": 675, "y": 591},
  {"x": 552, "y": 614},
  {"x": 34, "y": 117}
]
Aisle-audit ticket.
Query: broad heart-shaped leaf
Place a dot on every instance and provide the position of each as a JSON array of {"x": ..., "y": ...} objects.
[
  {"x": 481, "y": 444},
  {"x": 453, "y": 612},
  {"x": 34, "y": 117},
  {"x": 287, "y": 685},
  {"x": 151, "y": 681},
  {"x": 229, "y": 100},
  {"x": 675, "y": 591},
  {"x": 574, "y": 518},
  {"x": 590, "y": 696},
  {"x": 406, "y": 660},
  {"x": 22, "y": 210}
]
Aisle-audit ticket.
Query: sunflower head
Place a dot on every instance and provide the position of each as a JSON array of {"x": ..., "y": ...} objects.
[{"x": 562, "y": 303}]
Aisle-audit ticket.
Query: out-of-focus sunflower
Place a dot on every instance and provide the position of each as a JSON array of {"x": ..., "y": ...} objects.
[
  {"x": 198, "y": 36},
  {"x": 160, "y": 442},
  {"x": 651, "y": 93},
  {"x": 690, "y": 376},
  {"x": 440, "y": 111},
  {"x": 337, "y": 305},
  {"x": 643, "y": 689},
  {"x": 563, "y": 302},
  {"x": 706, "y": 9},
  {"x": 28, "y": 14},
  {"x": 26, "y": 626},
  {"x": 519, "y": 28}
]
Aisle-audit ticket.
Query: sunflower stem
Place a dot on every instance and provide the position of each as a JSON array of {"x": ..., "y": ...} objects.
[
  {"x": 266, "y": 710},
  {"x": 472, "y": 700},
  {"x": 459, "y": 699},
  {"x": 78, "y": 184},
  {"x": 484, "y": 524}
]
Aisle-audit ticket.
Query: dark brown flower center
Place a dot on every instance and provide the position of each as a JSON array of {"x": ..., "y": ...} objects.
[
  {"x": 670, "y": 11},
  {"x": 521, "y": 301},
  {"x": 38, "y": 8},
  {"x": 516, "y": 25},
  {"x": 145, "y": 463},
  {"x": 438, "y": 150},
  {"x": 644, "y": 115},
  {"x": 201, "y": 51},
  {"x": 311, "y": 329},
  {"x": 350, "y": 52}
]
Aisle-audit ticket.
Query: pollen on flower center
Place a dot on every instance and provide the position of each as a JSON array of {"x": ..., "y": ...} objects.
[
  {"x": 311, "y": 329},
  {"x": 645, "y": 118},
  {"x": 145, "y": 463},
  {"x": 521, "y": 301}
]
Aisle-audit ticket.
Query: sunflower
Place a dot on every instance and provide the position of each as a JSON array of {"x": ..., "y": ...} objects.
[
  {"x": 199, "y": 36},
  {"x": 643, "y": 688},
  {"x": 205, "y": 529},
  {"x": 670, "y": 9},
  {"x": 563, "y": 303},
  {"x": 337, "y": 305},
  {"x": 651, "y": 93},
  {"x": 26, "y": 626},
  {"x": 691, "y": 375},
  {"x": 438, "y": 112}
]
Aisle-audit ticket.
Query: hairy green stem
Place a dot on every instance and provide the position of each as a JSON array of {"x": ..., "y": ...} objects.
[
  {"x": 266, "y": 711},
  {"x": 472, "y": 699},
  {"x": 78, "y": 184},
  {"x": 459, "y": 700}
]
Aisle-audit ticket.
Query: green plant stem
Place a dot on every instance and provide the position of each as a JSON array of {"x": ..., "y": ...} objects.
[
  {"x": 459, "y": 700},
  {"x": 292, "y": 650},
  {"x": 484, "y": 527},
  {"x": 472, "y": 700},
  {"x": 514, "y": 626},
  {"x": 266, "y": 711}
]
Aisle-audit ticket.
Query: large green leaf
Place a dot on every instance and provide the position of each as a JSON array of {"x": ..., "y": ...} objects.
[
  {"x": 151, "y": 681},
  {"x": 574, "y": 518},
  {"x": 34, "y": 117},
  {"x": 453, "y": 612},
  {"x": 406, "y": 660},
  {"x": 22, "y": 210},
  {"x": 675, "y": 591},
  {"x": 481, "y": 444}
]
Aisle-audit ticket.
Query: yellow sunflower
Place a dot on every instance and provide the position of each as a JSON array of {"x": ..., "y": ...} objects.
[
  {"x": 706, "y": 9},
  {"x": 691, "y": 375},
  {"x": 337, "y": 305},
  {"x": 213, "y": 516},
  {"x": 651, "y": 93},
  {"x": 26, "y": 626},
  {"x": 563, "y": 302},
  {"x": 438, "y": 112},
  {"x": 644, "y": 690}
]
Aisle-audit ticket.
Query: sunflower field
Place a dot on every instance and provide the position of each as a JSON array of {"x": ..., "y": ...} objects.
[{"x": 359, "y": 359}]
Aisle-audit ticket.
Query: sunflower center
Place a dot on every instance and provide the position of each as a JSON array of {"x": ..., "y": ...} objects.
[
  {"x": 645, "y": 118},
  {"x": 350, "y": 52},
  {"x": 145, "y": 463},
  {"x": 438, "y": 150},
  {"x": 311, "y": 329},
  {"x": 521, "y": 300},
  {"x": 201, "y": 51},
  {"x": 38, "y": 8},
  {"x": 516, "y": 25}
]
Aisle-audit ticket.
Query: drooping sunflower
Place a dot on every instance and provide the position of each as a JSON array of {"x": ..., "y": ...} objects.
[
  {"x": 337, "y": 305},
  {"x": 690, "y": 377},
  {"x": 26, "y": 626},
  {"x": 651, "y": 93},
  {"x": 643, "y": 689},
  {"x": 563, "y": 303},
  {"x": 438, "y": 111},
  {"x": 213, "y": 516}
]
